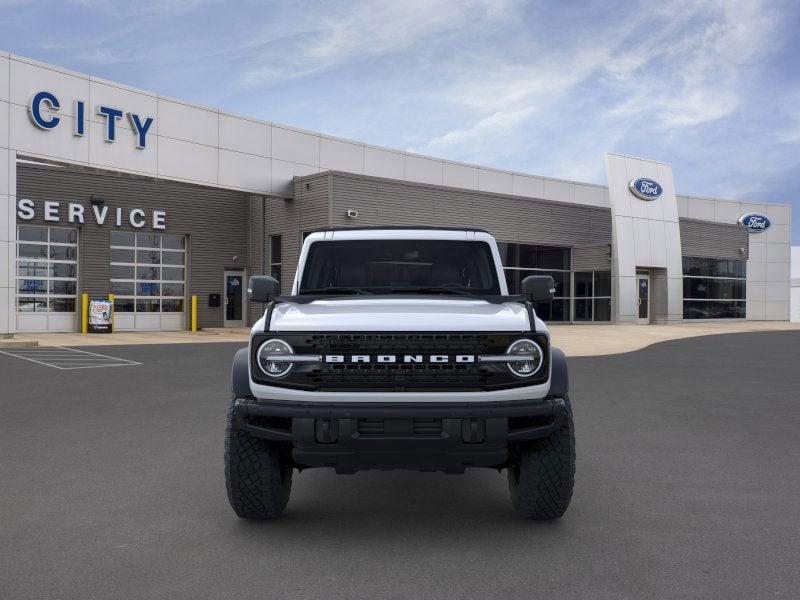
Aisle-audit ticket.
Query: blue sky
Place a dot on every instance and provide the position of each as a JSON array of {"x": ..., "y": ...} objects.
[{"x": 541, "y": 87}]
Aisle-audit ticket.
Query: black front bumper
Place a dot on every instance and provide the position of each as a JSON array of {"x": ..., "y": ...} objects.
[{"x": 418, "y": 436}]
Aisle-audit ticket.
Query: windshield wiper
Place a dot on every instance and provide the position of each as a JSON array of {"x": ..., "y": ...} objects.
[
  {"x": 434, "y": 289},
  {"x": 335, "y": 290}
]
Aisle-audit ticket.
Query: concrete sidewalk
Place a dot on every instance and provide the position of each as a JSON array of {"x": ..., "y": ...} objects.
[
  {"x": 598, "y": 340},
  {"x": 575, "y": 340},
  {"x": 128, "y": 338}
]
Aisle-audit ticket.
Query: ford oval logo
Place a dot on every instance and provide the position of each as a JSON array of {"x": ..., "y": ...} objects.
[
  {"x": 646, "y": 189},
  {"x": 754, "y": 222}
]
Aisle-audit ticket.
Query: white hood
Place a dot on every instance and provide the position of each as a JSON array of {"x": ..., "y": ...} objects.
[{"x": 401, "y": 314}]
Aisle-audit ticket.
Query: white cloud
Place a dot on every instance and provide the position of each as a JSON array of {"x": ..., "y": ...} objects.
[
  {"x": 327, "y": 38},
  {"x": 677, "y": 65}
]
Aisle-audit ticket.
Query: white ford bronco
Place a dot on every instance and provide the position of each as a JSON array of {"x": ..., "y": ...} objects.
[{"x": 399, "y": 348}]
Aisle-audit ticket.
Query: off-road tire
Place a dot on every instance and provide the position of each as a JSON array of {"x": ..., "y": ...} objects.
[
  {"x": 541, "y": 483},
  {"x": 258, "y": 484}
]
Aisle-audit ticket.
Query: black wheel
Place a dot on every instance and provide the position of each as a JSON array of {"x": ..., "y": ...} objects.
[
  {"x": 541, "y": 482},
  {"x": 258, "y": 483}
]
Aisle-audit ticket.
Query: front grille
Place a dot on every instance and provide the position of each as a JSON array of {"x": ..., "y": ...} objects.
[
  {"x": 395, "y": 343},
  {"x": 400, "y": 376}
]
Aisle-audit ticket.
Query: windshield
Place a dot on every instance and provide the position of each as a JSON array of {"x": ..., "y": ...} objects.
[{"x": 400, "y": 266}]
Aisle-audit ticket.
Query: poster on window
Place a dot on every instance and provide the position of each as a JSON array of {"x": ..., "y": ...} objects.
[{"x": 100, "y": 315}]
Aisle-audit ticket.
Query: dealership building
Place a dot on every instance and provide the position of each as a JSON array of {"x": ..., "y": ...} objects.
[{"x": 106, "y": 189}]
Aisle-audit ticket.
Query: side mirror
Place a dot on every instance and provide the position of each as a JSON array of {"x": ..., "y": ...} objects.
[
  {"x": 538, "y": 288},
  {"x": 262, "y": 288}
]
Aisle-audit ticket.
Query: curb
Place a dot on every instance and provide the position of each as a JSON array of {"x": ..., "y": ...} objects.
[{"x": 18, "y": 343}]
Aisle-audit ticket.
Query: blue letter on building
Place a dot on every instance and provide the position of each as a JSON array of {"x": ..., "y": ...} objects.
[
  {"x": 80, "y": 118},
  {"x": 111, "y": 115},
  {"x": 36, "y": 110},
  {"x": 140, "y": 129}
]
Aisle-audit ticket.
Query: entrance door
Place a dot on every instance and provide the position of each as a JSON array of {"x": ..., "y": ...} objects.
[
  {"x": 643, "y": 291},
  {"x": 234, "y": 300}
]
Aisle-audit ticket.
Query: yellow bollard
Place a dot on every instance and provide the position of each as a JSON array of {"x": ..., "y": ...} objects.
[
  {"x": 194, "y": 313},
  {"x": 113, "y": 312},
  {"x": 84, "y": 313}
]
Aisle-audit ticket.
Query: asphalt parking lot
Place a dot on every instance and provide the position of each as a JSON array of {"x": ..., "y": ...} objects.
[{"x": 687, "y": 487}]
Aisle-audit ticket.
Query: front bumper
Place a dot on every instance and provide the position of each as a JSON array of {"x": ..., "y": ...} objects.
[{"x": 418, "y": 436}]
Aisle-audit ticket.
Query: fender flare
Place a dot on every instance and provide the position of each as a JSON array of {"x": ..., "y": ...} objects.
[
  {"x": 559, "y": 376},
  {"x": 240, "y": 374}
]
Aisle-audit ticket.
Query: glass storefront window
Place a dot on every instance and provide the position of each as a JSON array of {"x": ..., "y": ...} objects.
[
  {"x": 602, "y": 284},
  {"x": 139, "y": 281},
  {"x": 602, "y": 309},
  {"x": 714, "y": 288},
  {"x": 583, "y": 284},
  {"x": 275, "y": 256},
  {"x": 714, "y": 267},
  {"x": 580, "y": 296},
  {"x": 527, "y": 256},
  {"x": 561, "y": 280},
  {"x": 592, "y": 295},
  {"x": 714, "y": 309},
  {"x": 46, "y": 268},
  {"x": 583, "y": 309}
]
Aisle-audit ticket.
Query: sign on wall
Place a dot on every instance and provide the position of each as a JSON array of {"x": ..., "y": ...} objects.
[
  {"x": 645, "y": 189},
  {"x": 100, "y": 213},
  {"x": 754, "y": 222},
  {"x": 44, "y": 107}
]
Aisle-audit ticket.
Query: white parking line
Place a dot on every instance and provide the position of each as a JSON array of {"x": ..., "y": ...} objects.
[{"x": 68, "y": 359}]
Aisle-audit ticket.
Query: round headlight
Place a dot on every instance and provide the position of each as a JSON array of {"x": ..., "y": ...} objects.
[
  {"x": 269, "y": 366},
  {"x": 530, "y": 358}
]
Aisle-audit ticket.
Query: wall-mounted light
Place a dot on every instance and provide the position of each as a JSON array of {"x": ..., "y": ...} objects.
[
  {"x": 352, "y": 214},
  {"x": 96, "y": 201}
]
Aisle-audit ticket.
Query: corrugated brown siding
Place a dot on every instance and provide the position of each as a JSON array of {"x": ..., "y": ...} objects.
[
  {"x": 508, "y": 218},
  {"x": 214, "y": 220},
  {"x": 713, "y": 240},
  {"x": 282, "y": 217},
  {"x": 307, "y": 211},
  {"x": 255, "y": 244},
  {"x": 322, "y": 200}
]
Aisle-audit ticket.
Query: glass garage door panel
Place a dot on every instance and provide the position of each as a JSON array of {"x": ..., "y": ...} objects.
[
  {"x": 46, "y": 278},
  {"x": 148, "y": 280}
]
